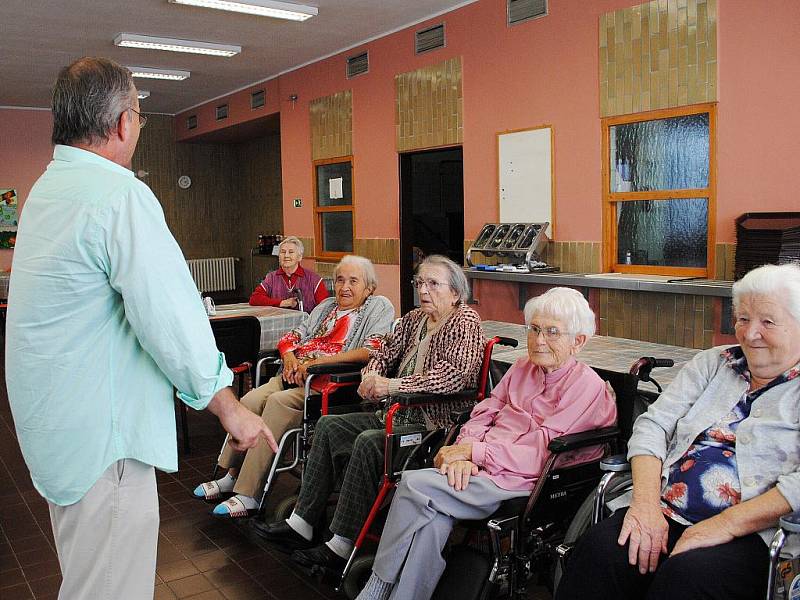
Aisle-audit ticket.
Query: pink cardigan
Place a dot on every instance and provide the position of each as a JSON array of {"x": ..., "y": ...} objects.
[{"x": 511, "y": 429}]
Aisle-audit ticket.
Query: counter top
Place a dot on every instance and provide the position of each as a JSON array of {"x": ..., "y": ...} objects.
[{"x": 615, "y": 281}]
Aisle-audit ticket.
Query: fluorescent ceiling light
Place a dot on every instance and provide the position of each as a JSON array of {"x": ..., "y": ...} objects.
[
  {"x": 153, "y": 73},
  {"x": 264, "y": 8},
  {"x": 131, "y": 40},
  {"x": 142, "y": 94}
]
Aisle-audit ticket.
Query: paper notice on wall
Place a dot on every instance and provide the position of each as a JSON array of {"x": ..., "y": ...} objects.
[{"x": 336, "y": 188}]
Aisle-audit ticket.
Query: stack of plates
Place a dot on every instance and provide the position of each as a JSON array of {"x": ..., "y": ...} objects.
[{"x": 766, "y": 238}]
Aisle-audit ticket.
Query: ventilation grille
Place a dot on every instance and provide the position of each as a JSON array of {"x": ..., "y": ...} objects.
[
  {"x": 213, "y": 274},
  {"x": 522, "y": 10},
  {"x": 222, "y": 112},
  {"x": 257, "y": 99},
  {"x": 191, "y": 122},
  {"x": 358, "y": 65},
  {"x": 429, "y": 39}
]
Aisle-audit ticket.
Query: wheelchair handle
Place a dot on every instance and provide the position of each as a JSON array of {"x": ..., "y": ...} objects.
[
  {"x": 642, "y": 367},
  {"x": 791, "y": 522},
  {"x": 505, "y": 341},
  {"x": 617, "y": 463}
]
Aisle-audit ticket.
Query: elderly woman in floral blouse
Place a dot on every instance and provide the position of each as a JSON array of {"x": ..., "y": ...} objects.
[
  {"x": 340, "y": 329},
  {"x": 437, "y": 348},
  {"x": 716, "y": 462}
]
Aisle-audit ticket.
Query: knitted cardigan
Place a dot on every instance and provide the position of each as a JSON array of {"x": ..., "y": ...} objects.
[{"x": 454, "y": 356}]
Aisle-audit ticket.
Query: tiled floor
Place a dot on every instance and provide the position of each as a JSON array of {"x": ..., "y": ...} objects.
[{"x": 199, "y": 557}]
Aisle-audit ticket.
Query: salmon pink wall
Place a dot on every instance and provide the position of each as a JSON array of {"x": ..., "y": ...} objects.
[{"x": 25, "y": 151}]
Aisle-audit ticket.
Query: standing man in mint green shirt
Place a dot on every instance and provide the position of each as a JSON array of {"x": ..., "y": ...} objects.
[{"x": 103, "y": 320}]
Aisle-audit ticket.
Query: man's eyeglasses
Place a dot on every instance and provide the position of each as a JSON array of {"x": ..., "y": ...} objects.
[
  {"x": 142, "y": 118},
  {"x": 431, "y": 284},
  {"x": 550, "y": 333}
]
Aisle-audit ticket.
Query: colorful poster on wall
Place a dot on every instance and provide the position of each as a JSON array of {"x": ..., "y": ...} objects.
[{"x": 8, "y": 217}]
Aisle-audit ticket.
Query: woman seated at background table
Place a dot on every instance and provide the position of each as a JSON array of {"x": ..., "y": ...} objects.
[
  {"x": 290, "y": 281},
  {"x": 340, "y": 329},
  {"x": 500, "y": 452},
  {"x": 715, "y": 461},
  {"x": 437, "y": 348}
]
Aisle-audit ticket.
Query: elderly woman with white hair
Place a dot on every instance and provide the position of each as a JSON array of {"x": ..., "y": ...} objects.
[
  {"x": 290, "y": 284},
  {"x": 340, "y": 329},
  {"x": 500, "y": 452},
  {"x": 437, "y": 348},
  {"x": 716, "y": 462}
]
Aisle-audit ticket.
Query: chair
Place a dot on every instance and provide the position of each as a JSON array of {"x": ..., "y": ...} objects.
[
  {"x": 239, "y": 339},
  {"x": 422, "y": 445},
  {"x": 526, "y": 535}
]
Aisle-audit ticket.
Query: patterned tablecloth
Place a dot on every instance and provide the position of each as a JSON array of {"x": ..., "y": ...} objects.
[
  {"x": 274, "y": 321},
  {"x": 610, "y": 353}
]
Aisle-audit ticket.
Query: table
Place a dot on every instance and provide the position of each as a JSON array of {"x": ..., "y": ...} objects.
[
  {"x": 603, "y": 352},
  {"x": 275, "y": 322}
]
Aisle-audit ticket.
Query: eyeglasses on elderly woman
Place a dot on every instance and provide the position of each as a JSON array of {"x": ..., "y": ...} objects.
[
  {"x": 431, "y": 284},
  {"x": 550, "y": 333}
]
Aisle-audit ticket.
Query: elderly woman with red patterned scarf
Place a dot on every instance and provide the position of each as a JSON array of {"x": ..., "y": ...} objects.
[
  {"x": 340, "y": 329},
  {"x": 437, "y": 348}
]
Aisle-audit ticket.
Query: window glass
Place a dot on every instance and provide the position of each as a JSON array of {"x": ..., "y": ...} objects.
[
  {"x": 337, "y": 231},
  {"x": 335, "y": 184},
  {"x": 662, "y": 154},
  {"x": 663, "y": 232}
]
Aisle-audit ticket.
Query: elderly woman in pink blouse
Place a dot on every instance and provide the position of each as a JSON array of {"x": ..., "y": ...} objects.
[{"x": 500, "y": 452}]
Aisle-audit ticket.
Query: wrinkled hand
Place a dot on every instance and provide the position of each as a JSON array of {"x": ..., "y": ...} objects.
[
  {"x": 448, "y": 454},
  {"x": 645, "y": 529},
  {"x": 301, "y": 373},
  {"x": 710, "y": 532},
  {"x": 365, "y": 387},
  {"x": 289, "y": 303},
  {"x": 290, "y": 365},
  {"x": 373, "y": 387},
  {"x": 246, "y": 429},
  {"x": 458, "y": 473}
]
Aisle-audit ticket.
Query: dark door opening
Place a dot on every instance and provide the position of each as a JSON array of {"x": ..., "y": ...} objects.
[{"x": 431, "y": 211}]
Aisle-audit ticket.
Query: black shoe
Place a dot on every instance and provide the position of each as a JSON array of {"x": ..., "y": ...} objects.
[
  {"x": 280, "y": 534},
  {"x": 319, "y": 558}
]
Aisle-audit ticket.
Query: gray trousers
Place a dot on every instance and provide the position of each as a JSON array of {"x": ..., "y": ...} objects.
[
  {"x": 106, "y": 542},
  {"x": 422, "y": 515}
]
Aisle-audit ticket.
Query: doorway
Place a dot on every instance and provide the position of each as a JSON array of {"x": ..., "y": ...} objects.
[{"x": 431, "y": 211}]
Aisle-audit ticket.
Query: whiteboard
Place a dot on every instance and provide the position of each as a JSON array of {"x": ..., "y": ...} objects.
[{"x": 526, "y": 176}]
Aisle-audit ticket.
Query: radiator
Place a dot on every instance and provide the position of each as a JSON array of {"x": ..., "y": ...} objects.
[{"x": 213, "y": 274}]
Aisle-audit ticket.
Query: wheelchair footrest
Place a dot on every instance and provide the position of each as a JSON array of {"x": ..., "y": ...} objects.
[{"x": 466, "y": 576}]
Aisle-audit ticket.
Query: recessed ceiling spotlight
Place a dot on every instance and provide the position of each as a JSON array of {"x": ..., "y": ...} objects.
[
  {"x": 264, "y": 8},
  {"x": 153, "y": 73},
  {"x": 132, "y": 40},
  {"x": 142, "y": 94}
]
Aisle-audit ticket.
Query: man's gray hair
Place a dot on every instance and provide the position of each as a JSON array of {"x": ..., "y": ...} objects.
[
  {"x": 780, "y": 282},
  {"x": 455, "y": 274},
  {"x": 565, "y": 304},
  {"x": 293, "y": 240},
  {"x": 366, "y": 266},
  {"x": 88, "y": 98}
]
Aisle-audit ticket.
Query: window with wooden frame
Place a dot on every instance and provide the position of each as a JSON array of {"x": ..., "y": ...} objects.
[
  {"x": 659, "y": 191},
  {"x": 334, "y": 210}
]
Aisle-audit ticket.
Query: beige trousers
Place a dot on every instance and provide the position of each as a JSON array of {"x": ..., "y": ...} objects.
[
  {"x": 107, "y": 541},
  {"x": 281, "y": 410}
]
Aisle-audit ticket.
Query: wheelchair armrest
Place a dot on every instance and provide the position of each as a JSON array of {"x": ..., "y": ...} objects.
[
  {"x": 618, "y": 463},
  {"x": 352, "y": 377},
  {"x": 335, "y": 368},
  {"x": 506, "y": 341},
  {"x": 573, "y": 441},
  {"x": 416, "y": 399},
  {"x": 269, "y": 355}
]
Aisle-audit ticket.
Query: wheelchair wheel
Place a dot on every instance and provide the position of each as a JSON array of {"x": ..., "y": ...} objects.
[
  {"x": 284, "y": 508},
  {"x": 358, "y": 575},
  {"x": 583, "y": 521}
]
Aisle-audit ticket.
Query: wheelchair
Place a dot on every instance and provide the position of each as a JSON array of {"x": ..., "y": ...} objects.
[
  {"x": 499, "y": 555},
  {"x": 414, "y": 450}
]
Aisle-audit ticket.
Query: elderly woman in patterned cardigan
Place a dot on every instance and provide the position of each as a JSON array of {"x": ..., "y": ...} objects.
[
  {"x": 716, "y": 462},
  {"x": 436, "y": 348}
]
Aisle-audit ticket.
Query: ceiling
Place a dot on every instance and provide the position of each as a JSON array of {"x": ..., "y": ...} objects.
[{"x": 38, "y": 37}]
